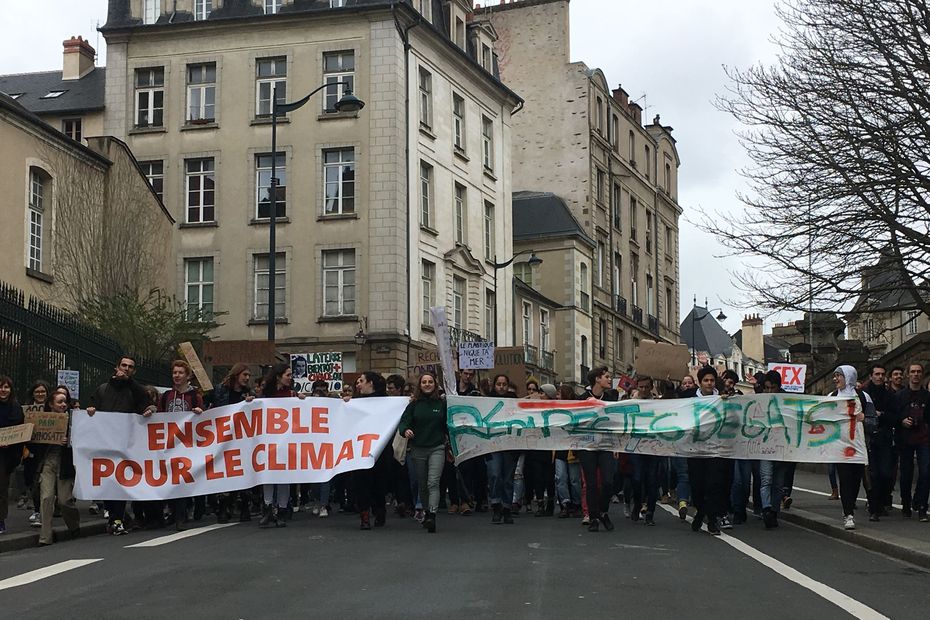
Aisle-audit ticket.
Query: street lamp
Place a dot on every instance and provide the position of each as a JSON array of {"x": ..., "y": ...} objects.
[
  {"x": 533, "y": 261},
  {"x": 694, "y": 319},
  {"x": 347, "y": 103}
]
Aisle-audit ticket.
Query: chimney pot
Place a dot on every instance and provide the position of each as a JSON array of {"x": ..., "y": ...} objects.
[{"x": 78, "y": 58}]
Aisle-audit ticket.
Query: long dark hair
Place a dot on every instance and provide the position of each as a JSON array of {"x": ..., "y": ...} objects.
[
  {"x": 233, "y": 375},
  {"x": 271, "y": 379},
  {"x": 5, "y": 380},
  {"x": 376, "y": 380},
  {"x": 419, "y": 395}
]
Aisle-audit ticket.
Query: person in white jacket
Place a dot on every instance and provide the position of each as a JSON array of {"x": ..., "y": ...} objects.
[{"x": 850, "y": 474}]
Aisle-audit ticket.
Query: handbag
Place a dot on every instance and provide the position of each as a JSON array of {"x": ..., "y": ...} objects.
[{"x": 400, "y": 447}]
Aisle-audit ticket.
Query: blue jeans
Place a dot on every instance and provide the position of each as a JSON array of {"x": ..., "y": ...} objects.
[
  {"x": 429, "y": 465},
  {"x": 683, "y": 488},
  {"x": 741, "y": 487},
  {"x": 501, "y": 467},
  {"x": 645, "y": 481},
  {"x": 831, "y": 474},
  {"x": 323, "y": 489},
  {"x": 772, "y": 477},
  {"x": 568, "y": 482},
  {"x": 922, "y": 491}
]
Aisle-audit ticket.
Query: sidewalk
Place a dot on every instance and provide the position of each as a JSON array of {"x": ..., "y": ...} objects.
[
  {"x": 904, "y": 539},
  {"x": 20, "y": 535}
]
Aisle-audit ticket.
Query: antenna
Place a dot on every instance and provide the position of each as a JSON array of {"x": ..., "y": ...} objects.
[
  {"x": 645, "y": 101},
  {"x": 96, "y": 25}
]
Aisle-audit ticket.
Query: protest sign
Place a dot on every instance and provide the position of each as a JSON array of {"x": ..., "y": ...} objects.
[
  {"x": 309, "y": 367},
  {"x": 48, "y": 427},
  {"x": 476, "y": 355},
  {"x": 72, "y": 380},
  {"x": 266, "y": 441},
  {"x": 511, "y": 361},
  {"x": 777, "y": 427},
  {"x": 425, "y": 361},
  {"x": 187, "y": 351},
  {"x": 9, "y": 435},
  {"x": 27, "y": 409},
  {"x": 661, "y": 359},
  {"x": 793, "y": 376},
  {"x": 444, "y": 344}
]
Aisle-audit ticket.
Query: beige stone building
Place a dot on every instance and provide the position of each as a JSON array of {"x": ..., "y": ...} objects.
[
  {"x": 587, "y": 143},
  {"x": 74, "y": 214},
  {"x": 381, "y": 213}
]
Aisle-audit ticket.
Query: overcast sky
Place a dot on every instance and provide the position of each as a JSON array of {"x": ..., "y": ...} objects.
[{"x": 671, "y": 51}]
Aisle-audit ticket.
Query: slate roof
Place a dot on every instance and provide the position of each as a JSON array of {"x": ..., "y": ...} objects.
[
  {"x": 9, "y": 104},
  {"x": 543, "y": 214},
  {"x": 708, "y": 333},
  {"x": 884, "y": 289},
  {"x": 83, "y": 95}
]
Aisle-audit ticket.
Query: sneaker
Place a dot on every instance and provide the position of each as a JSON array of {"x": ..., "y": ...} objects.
[
  {"x": 786, "y": 502},
  {"x": 366, "y": 522},
  {"x": 117, "y": 529},
  {"x": 508, "y": 516},
  {"x": 713, "y": 527},
  {"x": 295, "y": 508},
  {"x": 724, "y": 523},
  {"x": 21, "y": 503},
  {"x": 873, "y": 517},
  {"x": 94, "y": 509},
  {"x": 419, "y": 515},
  {"x": 496, "y": 517},
  {"x": 697, "y": 522},
  {"x": 564, "y": 512},
  {"x": 739, "y": 518},
  {"x": 606, "y": 521},
  {"x": 849, "y": 523},
  {"x": 592, "y": 526},
  {"x": 682, "y": 509},
  {"x": 834, "y": 494},
  {"x": 315, "y": 511},
  {"x": 323, "y": 512},
  {"x": 627, "y": 511},
  {"x": 906, "y": 513},
  {"x": 585, "y": 520},
  {"x": 35, "y": 516},
  {"x": 453, "y": 509},
  {"x": 106, "y": 514},
  {"x": 464, "y": 509},
  {"x": 649, "y": 519},
  {"x": 922, "y": 516}
]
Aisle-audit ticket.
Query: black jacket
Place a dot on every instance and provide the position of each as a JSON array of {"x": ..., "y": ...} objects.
[
  {"x": 126, "y": 396},
  {"x": 11, "y": 414}
]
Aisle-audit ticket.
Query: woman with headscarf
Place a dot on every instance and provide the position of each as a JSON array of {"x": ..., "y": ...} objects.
[{"x": 850, "y": 474}]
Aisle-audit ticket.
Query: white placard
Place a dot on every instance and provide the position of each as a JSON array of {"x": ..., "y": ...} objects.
[{"x": 476, "y": 355}]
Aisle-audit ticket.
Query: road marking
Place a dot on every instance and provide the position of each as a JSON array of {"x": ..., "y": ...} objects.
[
  {"x": 43, "y": 573},
  {"x": 846, "y": 603},
  {"x": 858, "y": 499},
  {"x": 164, "y": 540}
]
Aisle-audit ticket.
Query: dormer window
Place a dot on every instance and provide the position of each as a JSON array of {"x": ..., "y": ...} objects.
[
  {"x": 53, "y": 94},
  {"x": 15, "y": 95}
]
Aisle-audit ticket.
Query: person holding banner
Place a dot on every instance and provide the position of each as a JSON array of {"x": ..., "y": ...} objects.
[
  {"x": 233, "y": 390},
  {"x": 11, "y": 414},
  {"x": 370, "y": 485},
  {"x": 55, "y": 479},
  {"x": 501, "y": 467},
  {"x": 710, "y": 477},
  {"x": 645, "y": 467},
  {"x": 278, "y": 383},
  {"x": 850, "y": 474},
  {"x": 597, "y": 466},
  {"x": 424, "y": 425}
]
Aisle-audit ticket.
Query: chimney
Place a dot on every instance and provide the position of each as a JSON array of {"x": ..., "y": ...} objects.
[
  {"x": 753, "y": 340},
  {"x": 636, "y": 111},
  {"x": 78, "y": 59},
  {"x": 621, "y": 96}
]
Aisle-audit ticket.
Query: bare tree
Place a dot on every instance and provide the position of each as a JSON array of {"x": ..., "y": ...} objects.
[{"x": 838, "y": 131}]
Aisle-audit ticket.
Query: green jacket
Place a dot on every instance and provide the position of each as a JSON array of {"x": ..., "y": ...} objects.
[{"x": 427, "y": 418}]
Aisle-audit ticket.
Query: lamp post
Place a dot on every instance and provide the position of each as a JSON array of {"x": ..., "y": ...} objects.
[
  {"x": 534, "y": 260},
  {"x": 694, "y": 319},
  {"x": 347, "y": 103}
]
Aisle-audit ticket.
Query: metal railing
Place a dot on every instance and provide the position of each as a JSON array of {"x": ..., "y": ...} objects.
[
  {"x": 621, "y": 305},
  {"x": 458, "y": 335},
  {"x": 637, "y": 315},
  {"x": 547, "y": 360},
  {"x": 653, "y": 324},
  {"x": 531, "y": 354}
]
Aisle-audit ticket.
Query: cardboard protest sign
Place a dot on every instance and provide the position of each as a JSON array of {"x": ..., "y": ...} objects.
[
  {"x": 48, "y": 427},
  {"x": 511, "y": 361},
  {"x": 187, "y": 351},
  {"x": 661, "y": 359},
  {"x": 266, "y": 441},
  {"x": 476, "y": 355},
  {"x": 71, "y": 379},
  {"x": 793, "y": 376},
  {"x": 21, "y": 433},
  {"x": 310, "y": 367}
]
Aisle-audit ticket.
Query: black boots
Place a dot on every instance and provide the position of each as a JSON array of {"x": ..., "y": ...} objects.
[
  {"x": 268, "y": 517},
  {"x": 430, "y": 522}
]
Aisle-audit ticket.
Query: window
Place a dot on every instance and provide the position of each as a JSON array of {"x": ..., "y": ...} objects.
[
  {"x": 601, "y": 259},
  {"x": 260, "y": 273},
  {"x": 618, "y": 265},
  {"x": 424, "y": 6},
  {"x": 460, "y": 32},
  {"x": 647, "y": 162},
  {"x": 71, "y": 127},
  {"x": 486, "y": 57},
  {"x": 461, "y": 202},
  {"x": 426, "y": 195},
  {"x": 487, "y": 142},
  {"x": 458, "y": 302},
  {"x": 458, "y": 123},
  {"x": 668, "y": 179},
  {"x": 270, "y": 81},
  {"x": 201, "y": 93},
  {"x": 585, "y": 288},
  {"x": 650, "y": 296},
  {"x": 615, "y": 206},
  {"x": 339, "y": 178},
  {"x": 910, "y": 322},
  {"x": 151, "y": 11},
  {"x": 338, "y": 282},
  {"x": 272, "y": 6},
  {"x": 524, "y": 271},
  {"x": 615, "y": 133},
  {"x": 633, "y": 213},
  {"x": 426, "y": 98},
  {"x": 201, "y": 190},
  {"x": 669, "y": 241},
  {"x": 634, "y": 274},
  {"x": 337, "y": 4},
  {"x": 584, "y": 354},
  {"x": 489, "y": 241},
  {"x": 599, "y": 189},
  {"x": 599, "y": 112},
  {"x": 618, "y": 345},
  {"x": 543, "y": 329},
  {"x": 150, "y": 97},
  {"x": 154, "y": 171},
  {"x": 649, "y": 231},
  {"x": 428, "y": 288},
  {"x": 198, "y": 287},
  {"x": 337, "y": 67},
  {"x": 490, "y": 314},
  {"x": 632, "y": 139},
  {"x": 669, "y": 307},
  {"x": 527, "y": 323},
  {"x": 39, "y": 183},
  {"x": 53, "y": 94},
  {"x": 202, "y": 9},
  {"x": 263, "y": 185},
  {"x": 602, "y": 338}
]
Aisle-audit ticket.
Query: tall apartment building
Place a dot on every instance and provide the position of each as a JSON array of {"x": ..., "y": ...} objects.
[
  {"x": 380, "y": 214},
  {"x": 586, "y": 143}
]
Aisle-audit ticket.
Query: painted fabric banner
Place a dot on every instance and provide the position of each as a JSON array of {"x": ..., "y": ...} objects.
[
  {"x": 776, "y": 427},
  {"x": 281, "y": 440}
]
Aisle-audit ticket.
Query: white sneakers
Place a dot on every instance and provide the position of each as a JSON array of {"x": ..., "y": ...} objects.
[
  {"x": 324, "y": 512},
  {"x": 849, "y": 523}
]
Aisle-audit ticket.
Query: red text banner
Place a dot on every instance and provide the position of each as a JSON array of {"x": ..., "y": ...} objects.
[{"x": 122, "y": 456}]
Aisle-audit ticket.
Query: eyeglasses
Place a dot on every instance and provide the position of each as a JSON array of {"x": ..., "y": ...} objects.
[{"x": 531, "y": 389}]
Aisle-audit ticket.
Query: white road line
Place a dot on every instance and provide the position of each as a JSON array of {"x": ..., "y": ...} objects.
[
  {"x": 42, "y": 573},
  {"x": 847, "y": 604},
  {"x": 858, "y": 499},
  {"x": 164, "y": 540}
]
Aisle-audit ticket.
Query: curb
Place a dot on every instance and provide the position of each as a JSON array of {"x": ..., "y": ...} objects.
[
  {"x": 28, "y": 540},
  {"x": 890, "y": 545}
]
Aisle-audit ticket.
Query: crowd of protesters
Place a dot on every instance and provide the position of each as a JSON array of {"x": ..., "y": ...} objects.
[{"x": 418, "y": 477}]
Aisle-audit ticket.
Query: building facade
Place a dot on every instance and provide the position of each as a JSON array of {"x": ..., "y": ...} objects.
[
  {"x": 586, "y": 143},
  {"x": 381, "y": 213}
]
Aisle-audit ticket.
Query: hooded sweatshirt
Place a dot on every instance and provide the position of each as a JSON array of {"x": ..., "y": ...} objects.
[{"x": 849, "y": 390}]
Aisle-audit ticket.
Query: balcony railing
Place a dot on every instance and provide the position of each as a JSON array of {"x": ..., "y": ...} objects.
[
  {"x": 637, "y": 315},
  {"x": 621, "y": 305},
  {"x": 546, "y": 360},
  {"x": 531, "y": 354},
  {"x": 457, "y": 336},
  {"x": 654, "y": 324}
]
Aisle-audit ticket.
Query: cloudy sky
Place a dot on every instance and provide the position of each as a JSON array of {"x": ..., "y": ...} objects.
[{"x": 670, "y": 51}]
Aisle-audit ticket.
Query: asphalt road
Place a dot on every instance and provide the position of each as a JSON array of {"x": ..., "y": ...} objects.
[{"x": 536, "y": 568}]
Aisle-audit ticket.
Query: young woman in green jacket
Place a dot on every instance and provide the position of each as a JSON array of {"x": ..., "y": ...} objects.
[{"x": 424, "y": 425}]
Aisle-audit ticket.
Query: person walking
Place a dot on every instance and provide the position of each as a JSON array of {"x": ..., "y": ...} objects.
[
  {"x": 424, "y": 425},
  {"x": 278, "y": 383},
  {"x": 598, "y": 466},
  {"x": 55, "y": 479},
  {"x": 11, "y": 414},
  {"x": 234, "y": 389},
  {"x": 370, "y": 485},
  {"x": 850, "y": 474},
  {"x": 501, "y": 467}
]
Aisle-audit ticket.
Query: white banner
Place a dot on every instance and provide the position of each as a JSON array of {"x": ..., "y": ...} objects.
[
  {"x": 282, "y": 440},
  {"x": 476, "y": 355},
  {"x": 444, "y": 344},
  {"x": 775, "y": 427},
  {"x": 793, "y": 376}
]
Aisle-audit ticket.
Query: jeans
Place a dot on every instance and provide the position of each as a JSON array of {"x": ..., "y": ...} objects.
[
  {"x": 597, "y": 491},
  {"x": 921, "y": 492},
  {"x": 52, "y": 490},
  {"x": 831, "y": 474},
  {"x": 429, "y": 466},
  {"x": 501, "y": 467},
  {"x": 881, "y": 469},
  {"x": 519, "y": 480},
  {"x": 772, "y": 482},
  {"x": 741, "y": 488},
  {"x": 683, "y": 486},
  {"x": 269, "y": 491},
  {"x": 645, "y": 481},
  {"x": 322, "y": 488},
  {"x": 414, "y": 485},
  {"x": 568, "y": 482}
]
